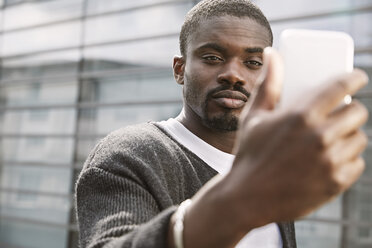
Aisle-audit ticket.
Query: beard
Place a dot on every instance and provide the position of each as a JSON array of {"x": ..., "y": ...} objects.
[{"x": 227, "y": 120}]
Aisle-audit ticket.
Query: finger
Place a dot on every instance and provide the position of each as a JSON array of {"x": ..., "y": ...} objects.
[
  {"x": 348, "y": 148},
  {"x": 330, "y": 96},
  {"x": 344, "y": 121},
  {"x": 267, "y": 92},
  {"x": 349, "y": 172}
]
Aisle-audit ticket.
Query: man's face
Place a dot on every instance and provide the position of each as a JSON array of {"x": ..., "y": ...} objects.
[{"x": 224, "y": 59}]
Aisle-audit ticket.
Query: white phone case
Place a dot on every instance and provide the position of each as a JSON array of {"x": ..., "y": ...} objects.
[{"x": 311, "y": 58}]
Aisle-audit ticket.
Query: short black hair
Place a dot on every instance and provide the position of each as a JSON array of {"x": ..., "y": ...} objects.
[{"x": 208, "y": 9}]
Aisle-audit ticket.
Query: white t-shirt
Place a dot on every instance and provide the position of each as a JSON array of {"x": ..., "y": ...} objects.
[{"x": 264, "y": 237}]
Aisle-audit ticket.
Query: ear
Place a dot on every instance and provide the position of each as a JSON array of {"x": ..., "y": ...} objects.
[{"x": 179, "y": 69}]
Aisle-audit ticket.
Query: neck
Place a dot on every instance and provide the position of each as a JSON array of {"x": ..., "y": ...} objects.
[{"x": 222, "y": 140}]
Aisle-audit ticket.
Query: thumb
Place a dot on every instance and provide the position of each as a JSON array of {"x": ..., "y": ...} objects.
[{"x": 266, "y": 93}]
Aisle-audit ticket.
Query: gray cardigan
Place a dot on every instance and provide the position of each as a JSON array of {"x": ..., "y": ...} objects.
[{"x": 130, "y": 186}]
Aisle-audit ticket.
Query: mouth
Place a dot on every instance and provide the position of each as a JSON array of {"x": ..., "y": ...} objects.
[{"x": 230, "y": 99}]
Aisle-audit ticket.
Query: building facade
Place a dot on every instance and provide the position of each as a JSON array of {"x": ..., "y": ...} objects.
[{"x": 73, "y": 70}]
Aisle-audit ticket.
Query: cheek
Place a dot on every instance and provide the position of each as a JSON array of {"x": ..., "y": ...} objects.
[
  {"x": 253, "y": 77},
  {"x": 200, "y": 77},
  {"x": 192, "y": 88}
]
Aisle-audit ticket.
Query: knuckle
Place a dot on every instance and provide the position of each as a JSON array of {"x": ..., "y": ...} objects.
[
  {"x": 299, "y": 119},
  {"x": 317, "y": 138},
  {"x": 339, "y": 181},
  {"x": 334, "y": 187},
  {"x": 315, "y": 135},
  {"x": 328, "y": 163},
  {"x": 363, "y": 139},
  {"x": 320, "y": 139},
  {"x": 360, "y": 165},
  {"x": 361, "y": 109},
  {"x": 360, "y": 139},
  {"x": 334, "y": 184},
  {"x": 343, "y": 84},
  {"x": 364, "y": 112}
]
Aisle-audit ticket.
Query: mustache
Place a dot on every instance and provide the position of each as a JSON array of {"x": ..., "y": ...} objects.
[{"x": 235, "y": 87}]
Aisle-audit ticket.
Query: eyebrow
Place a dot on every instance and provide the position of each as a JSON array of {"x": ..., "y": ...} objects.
[
  {"x": 213, "y": 46},
  {"x": 221, "y": 49},
  {"x": 254, "y": 50}
]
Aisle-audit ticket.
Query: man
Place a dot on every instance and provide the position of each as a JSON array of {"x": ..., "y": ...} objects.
[{"x": 287, "y": 162}]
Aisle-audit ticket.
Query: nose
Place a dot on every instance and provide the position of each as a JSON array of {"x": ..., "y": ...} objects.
[{"x": 232, "y": 73}]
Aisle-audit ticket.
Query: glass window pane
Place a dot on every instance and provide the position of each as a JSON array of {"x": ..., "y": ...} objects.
[
  {"x": 98, "y": 6},
  {"x": 44, "y": 38},
  {"x": 30, "y": 235},
  {"x": 310, "y": 234},
  {"x": 364, "y": 62},
  {"x": 360, "y": 3},
  {"x": 85, "y": 146},
  {"x": 359, "y": 237},
  {"x": 151, "y": 53},
  {"x": 11, "y": 2},
  {"x": 35, "y": 13},
  {"x": 36, "y": 178},
  {"x": 367, "y": 174},
  {"x": 39, "y": 94},
  {"x": 338, "y": 23},
  {"x": 1, "y": 118},
  {"x": 49, "y": 121},
  {"x": 104, "y": 120},
  {"x": 140, "y": 87},
  {"x": 359, "y": 210},
  {"x": 137, "y": 23},
  {"x": 360, "y": 202},
  {"x": 351, "y": 24},
  {"x": 275, "y": 10},
  {"x": 49, "y": 64},
  {"x": 360, "y": 31},
  {"x": 332, "y": 210},
  {"x": 1, "y": 18},
  {"x": 368, "y": 103},
  {"x": 43, "y": 150}
]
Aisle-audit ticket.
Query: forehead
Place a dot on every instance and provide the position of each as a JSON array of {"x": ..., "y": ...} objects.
[{"x": 230, "y": 30}]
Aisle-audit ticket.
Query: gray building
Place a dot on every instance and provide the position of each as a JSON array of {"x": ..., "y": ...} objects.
[{"x": 74, "y": 70}]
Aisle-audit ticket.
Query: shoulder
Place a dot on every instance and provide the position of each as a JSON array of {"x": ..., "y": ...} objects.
[
  {"x": 136, "y": 135},
  {"x": 142, "y": 143},
  {"x": 138, "y": 139},
  {"x": 148, "y": 156}
]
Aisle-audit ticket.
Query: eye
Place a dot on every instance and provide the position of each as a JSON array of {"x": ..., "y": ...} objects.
[
  {"x": 254, "y": 64},
  {"x": 212, "y": 58}
]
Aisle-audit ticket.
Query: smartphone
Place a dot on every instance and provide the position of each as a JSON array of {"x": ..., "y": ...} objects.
[{"x": 311, "y": 57}]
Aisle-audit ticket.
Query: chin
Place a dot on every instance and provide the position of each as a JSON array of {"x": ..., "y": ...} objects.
[{"x": 226, "y": 122}]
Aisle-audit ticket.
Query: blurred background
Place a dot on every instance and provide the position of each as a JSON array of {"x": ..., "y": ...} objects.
[{"x": 73, "y": 70}]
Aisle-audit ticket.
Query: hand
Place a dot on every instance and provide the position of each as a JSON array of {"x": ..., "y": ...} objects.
[
  {"x": 288, "y": 161},
  {"x": 291, "y": 161}
]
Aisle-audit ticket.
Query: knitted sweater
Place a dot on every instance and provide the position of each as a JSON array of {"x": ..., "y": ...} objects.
[{"x": 130, "y": 186}]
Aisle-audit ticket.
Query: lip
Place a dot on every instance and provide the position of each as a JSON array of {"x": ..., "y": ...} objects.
[
  {"x": 230, "y": 99},
  {"x": 230, "y": 94}
]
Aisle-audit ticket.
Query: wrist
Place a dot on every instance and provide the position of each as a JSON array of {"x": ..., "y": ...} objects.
[
  {"x": 246, "y": 201},
  {"x": 210, "y": 220}
]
